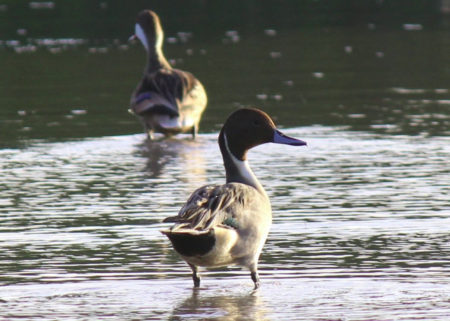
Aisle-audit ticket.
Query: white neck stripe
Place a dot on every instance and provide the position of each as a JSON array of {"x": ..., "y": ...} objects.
[
  {"x": 243, "y": 168},
  {"x": 141, "y": 35}
]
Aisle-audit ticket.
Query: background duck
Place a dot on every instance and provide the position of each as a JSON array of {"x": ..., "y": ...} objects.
[
  {"x": 166, "y": 100},
  {"x": 228, "y": 224}
]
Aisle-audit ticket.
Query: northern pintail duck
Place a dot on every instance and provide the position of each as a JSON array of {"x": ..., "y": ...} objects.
[
  {"x": 228, "y": 224},
  {"x": 166, "y": 100}
]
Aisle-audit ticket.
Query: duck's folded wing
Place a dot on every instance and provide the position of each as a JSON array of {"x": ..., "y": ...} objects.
[
  {"x": 161, "y": 90},
  {"x": 168, "y": 91},
  {"x": 153, "y": 101},
  {"x": 211, "y": 206}
]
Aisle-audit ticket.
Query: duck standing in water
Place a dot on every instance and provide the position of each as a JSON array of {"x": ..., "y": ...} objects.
[
  {"x": 167, "y": 100},
  {"x": 228, "y": 224}
]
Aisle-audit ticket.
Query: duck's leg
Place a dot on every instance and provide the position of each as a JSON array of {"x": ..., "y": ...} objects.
[
  {"x": 254, "y": 275},
  {"x": 194, "y": 131},
  {"x": 150, "y": 134},
  {"x": 195, "y": 275},
  {"x": 148, "y": 128}
]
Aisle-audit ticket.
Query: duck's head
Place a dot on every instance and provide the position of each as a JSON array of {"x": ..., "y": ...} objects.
[
  {"x": 250, "y": 127},
  {"x": 148, "y": 30}
]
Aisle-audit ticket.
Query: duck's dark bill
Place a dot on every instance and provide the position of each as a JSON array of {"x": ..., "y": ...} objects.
[{"x": 280, "y": 138}]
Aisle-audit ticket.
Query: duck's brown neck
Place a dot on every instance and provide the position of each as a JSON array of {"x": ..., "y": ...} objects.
[
  {"x": 156, "y": 60},
  {"x": 237, "y": 171}
]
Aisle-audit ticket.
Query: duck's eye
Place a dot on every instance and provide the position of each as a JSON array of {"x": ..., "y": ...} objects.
[{"x": 256, "y": 123}]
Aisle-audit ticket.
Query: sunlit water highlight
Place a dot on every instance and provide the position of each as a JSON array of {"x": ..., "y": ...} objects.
[{"x": 360, "y": 230}]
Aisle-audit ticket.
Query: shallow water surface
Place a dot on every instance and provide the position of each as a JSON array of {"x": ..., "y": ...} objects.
[{"x": 360, "y": 230}]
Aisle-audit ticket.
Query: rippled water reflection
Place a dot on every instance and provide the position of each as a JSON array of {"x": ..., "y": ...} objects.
[{"x": 360, "y": 229}]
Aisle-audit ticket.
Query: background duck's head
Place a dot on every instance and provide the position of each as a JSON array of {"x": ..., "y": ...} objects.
[
  {"x": 250, "y": 127},
  {"x": 148, "y": 30}
]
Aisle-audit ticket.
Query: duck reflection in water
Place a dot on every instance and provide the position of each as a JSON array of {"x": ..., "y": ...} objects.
[
  {"x": 186, "y": 154},
  {"x": 226, "y": 307}
]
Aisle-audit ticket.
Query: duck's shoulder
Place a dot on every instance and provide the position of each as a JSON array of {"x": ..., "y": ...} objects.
[
  {"x": 176, "y": 79},
  {"x": 189, "y": 81},
  {"x": 212, "y": 205},
  {"x": 166, "y": 73},
  {"x": 221, "y": 197}
]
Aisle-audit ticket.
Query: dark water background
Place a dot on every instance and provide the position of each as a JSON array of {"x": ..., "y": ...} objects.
[
  {"x": 377, "y": 67},
  {"x": 361, "y": 216}
]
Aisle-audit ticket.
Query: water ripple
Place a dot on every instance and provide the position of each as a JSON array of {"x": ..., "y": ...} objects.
[{"x": 347, "y": 206}]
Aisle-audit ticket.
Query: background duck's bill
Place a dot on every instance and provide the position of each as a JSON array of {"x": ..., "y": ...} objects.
[{"x": 280, "y": 138}]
